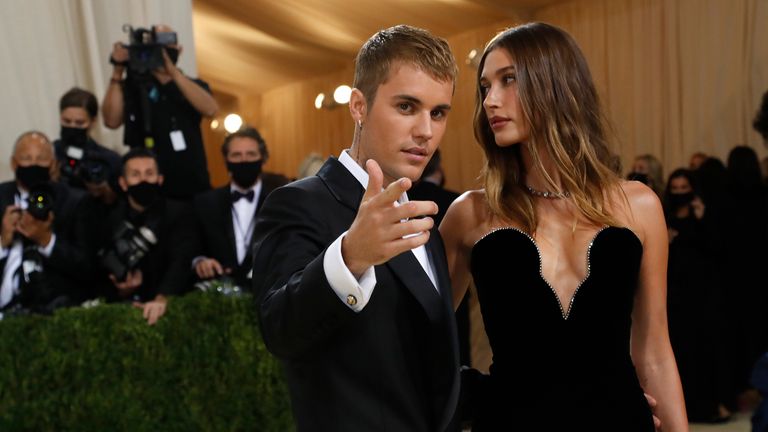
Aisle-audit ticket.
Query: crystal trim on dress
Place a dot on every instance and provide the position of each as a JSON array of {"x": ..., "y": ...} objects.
[{"x": 565, "y": 314}]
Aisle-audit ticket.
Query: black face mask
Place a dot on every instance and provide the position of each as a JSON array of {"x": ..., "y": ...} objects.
[
  {"x": 680, "y": 200},
  {"x": 74, "y": 136},
  {"x": 33, "y": 175},
  {"x": 173, "y": 54},
  {"x": 642, "y": 178},
  {"x": 245, "y": 174},
  {"x": 144, "y": 193}
]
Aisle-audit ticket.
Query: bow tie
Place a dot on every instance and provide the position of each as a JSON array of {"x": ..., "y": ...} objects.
[{"x": 236, "y": 195}]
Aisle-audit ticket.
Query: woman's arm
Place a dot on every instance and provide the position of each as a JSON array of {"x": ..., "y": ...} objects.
[
  {"x": 651, "y": 350},
  {"x": 459, "y": 220}
]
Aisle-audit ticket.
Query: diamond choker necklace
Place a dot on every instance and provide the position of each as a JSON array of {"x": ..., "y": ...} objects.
[{"x": 547, "y": 194}]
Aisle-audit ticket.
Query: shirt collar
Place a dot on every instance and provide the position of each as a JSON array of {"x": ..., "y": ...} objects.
[{"x": 359, "y": 173}]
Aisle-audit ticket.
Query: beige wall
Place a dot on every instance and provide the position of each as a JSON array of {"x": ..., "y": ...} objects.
[{"x": 675, "y": 77}]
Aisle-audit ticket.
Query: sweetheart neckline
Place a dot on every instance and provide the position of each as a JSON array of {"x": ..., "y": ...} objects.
[{"x": 563, "y": 312}]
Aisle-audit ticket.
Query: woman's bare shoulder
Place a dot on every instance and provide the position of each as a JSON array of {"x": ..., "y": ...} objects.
[
  {"x": 637, "y": 206},
  {"x": 639, "y": 196},
  {"x": 469, "y": 212}
]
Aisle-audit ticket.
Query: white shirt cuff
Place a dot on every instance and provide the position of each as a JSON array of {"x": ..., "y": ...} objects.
[
  {"x": 196, "y": 260},
  {"x": 48, "y": 249},
  {"x": 353, "y": 292},
  {"x": 5, "y": 251}
]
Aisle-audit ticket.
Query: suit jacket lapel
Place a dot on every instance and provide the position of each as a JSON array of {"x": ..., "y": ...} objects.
[
  {"x": 348, "y": 191},
  {"x": 407, "y": 268},
  {"x": 225, "y": 204},
  {"x": 436, "y": 252},
  {"x": 341, "y": 183}
]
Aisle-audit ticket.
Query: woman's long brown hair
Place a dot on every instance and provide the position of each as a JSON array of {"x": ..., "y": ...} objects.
[{"x": 562, "y": 108}]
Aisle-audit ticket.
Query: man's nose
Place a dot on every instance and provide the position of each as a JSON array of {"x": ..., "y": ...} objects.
[{"x": 423, "y": 127}]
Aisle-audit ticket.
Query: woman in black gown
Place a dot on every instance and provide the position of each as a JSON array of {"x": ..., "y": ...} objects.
[
  {"x": 569, "y": 261},
  {"x": 692, "y": 300}
]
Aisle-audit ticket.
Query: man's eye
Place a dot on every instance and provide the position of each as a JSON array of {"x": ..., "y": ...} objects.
[
  {"x": 437, "y": 114},
  {"x": 404, "y": 106}
]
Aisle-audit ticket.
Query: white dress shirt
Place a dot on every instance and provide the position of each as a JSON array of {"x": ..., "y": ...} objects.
[
  {"x": 243, "y": 218},
  {"x": 341, "y": 280},
  {"x": 10, "y": 279}
]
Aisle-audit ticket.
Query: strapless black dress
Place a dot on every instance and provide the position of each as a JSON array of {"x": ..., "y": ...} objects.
[{"x": 559, "y": 367}]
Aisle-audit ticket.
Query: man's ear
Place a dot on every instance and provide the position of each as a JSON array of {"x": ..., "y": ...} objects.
[
  {"x": 358, "y": 106},
  {"x": 123, "y": 183},
  {"x": 160, "y": 179},
  {"x": 14, "y": 165}
]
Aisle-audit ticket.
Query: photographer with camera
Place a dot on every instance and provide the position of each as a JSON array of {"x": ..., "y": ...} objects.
[
  {"x": 160, "y": 107},
  {"x": 84, "y": 163},
  {"x": 145, "y": 241},
  {"x": 226, "y": 215},
  {"x": 41, "y": 262}
]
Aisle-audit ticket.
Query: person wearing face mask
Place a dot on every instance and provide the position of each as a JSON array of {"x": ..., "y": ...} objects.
[
  {"x": 78, "y": 154},
  {"x": 693, "y": 298},
  {"x": 41, "y": 260},
  {"x": 648, "y": 170},
  {"x": 144, "y": 212},
  {"x": 162, "y": 111},
  {"x": 226, "y": 216}
]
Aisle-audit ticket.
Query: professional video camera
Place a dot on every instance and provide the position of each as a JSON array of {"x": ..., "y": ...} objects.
[
  {"x": 81, "y": 166},
  {"x": 40, "y": 201},
  {"x": 145, "y": 50},
  {"x": 129, "y": 246}
]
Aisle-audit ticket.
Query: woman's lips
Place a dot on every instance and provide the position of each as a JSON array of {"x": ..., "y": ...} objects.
[{"x": 498, "y": 122}]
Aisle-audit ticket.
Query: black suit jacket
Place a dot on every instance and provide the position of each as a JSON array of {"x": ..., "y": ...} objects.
[
  {"x": 391, "y": 367},
  {"x": 66, "y": 269},
  {"x": 215, "y": 234}
]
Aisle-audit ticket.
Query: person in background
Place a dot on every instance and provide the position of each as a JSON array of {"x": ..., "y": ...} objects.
[
  {"x": 745, "y": 297},
  {"x": 42, "y": 261},
  {"x": 693, "y": 298},
  {"x": 83, "y": 163},
  {"x": 697, "y": 159},
  {"x": 226, "y": 216},
  {"x": 145, "y": 243},
  {"x": 161, "y": 110},
  {"x": 648, "y": 170}
]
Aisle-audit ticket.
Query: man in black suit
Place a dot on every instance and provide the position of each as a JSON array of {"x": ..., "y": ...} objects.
[
  {"x": 226, "y": 216},
  {"x": 353, "y": 291},
  {"x": 41, "y": 264}
]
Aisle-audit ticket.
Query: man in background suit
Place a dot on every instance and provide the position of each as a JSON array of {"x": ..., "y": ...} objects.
[
  {"x": 226, "y": 216},
  {"x": 41, "y": 264},
  {"x": 352, "y": 286}
]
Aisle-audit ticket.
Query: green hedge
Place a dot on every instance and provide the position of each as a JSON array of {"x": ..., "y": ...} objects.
[{"x": 203, "y": 367}]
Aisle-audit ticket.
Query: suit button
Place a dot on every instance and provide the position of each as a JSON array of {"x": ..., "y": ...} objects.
[{"x": 351, "y": 300}]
